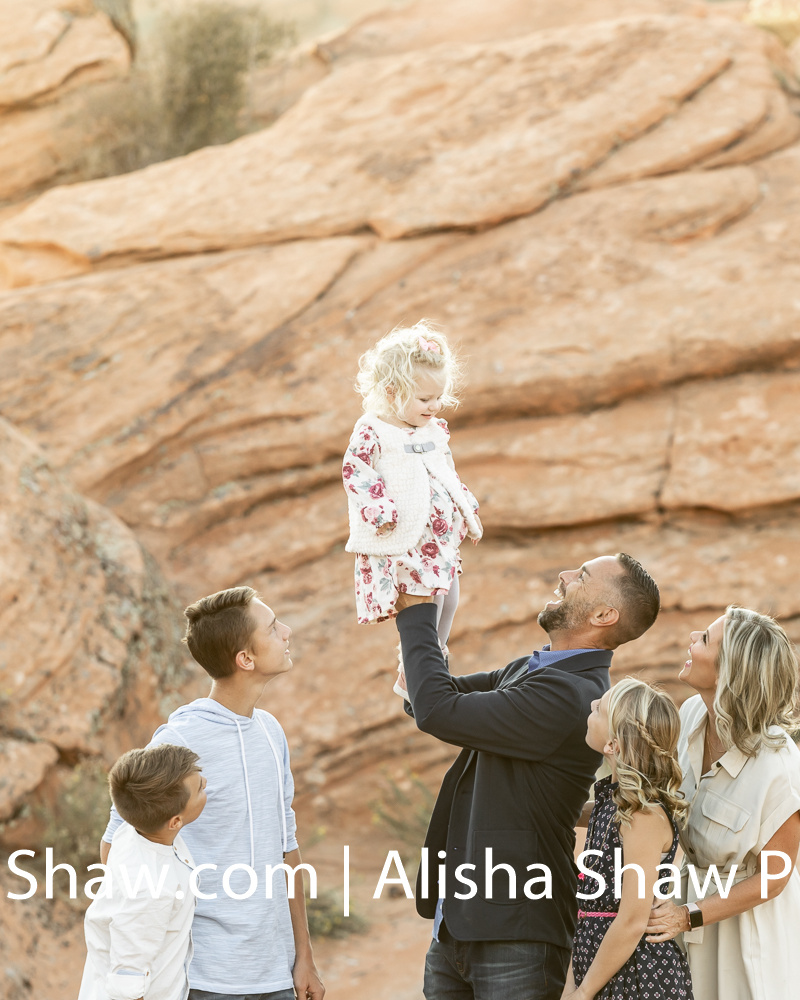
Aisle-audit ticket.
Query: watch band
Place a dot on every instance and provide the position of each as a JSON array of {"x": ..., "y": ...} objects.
[{"x": 695, "y": 915}]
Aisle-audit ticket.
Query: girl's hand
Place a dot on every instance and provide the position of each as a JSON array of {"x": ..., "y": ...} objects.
[
  {"x": 387, "y": 528},
  {"x": 476, "y": 540},
  {"x": 573, "y": 993},
  {"x": 666, "y": 921}
]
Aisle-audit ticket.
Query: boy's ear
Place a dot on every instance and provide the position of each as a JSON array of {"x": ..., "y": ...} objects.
[
  {"x": 244, "y": 660},
  {"x": 175, "y": 823}
]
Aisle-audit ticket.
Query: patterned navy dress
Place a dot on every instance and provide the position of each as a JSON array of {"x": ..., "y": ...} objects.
[{"x": 654, "y": 971}]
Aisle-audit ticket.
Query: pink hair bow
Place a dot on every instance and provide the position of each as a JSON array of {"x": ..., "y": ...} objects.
[{"x": 429, "y": 345}]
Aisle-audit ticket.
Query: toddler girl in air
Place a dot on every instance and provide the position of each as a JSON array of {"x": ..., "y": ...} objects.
[
  {"x": 409, "y": 511},
  {"x": 636, "y": 728}
]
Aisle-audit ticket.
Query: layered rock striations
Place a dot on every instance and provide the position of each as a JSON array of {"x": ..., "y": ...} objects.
[
  {"x": 52, "y": 53},
  {"x": 602, "y": 219},
  {"x": 89, "y": 646}
]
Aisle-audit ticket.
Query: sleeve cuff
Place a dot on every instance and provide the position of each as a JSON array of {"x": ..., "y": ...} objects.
[
  {"x": 775, "y": 821},
  {"x": 416, "y": 614},
  {"x": 127, "y": 985}
]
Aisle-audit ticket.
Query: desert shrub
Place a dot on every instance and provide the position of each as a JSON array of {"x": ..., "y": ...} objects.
[
  {"x": 404, "y": 809},
  {"x": 120, "y": 13},
  {"x": 188, "y": 87},
  {"x": 75, "y": 820},
  {"x": 326, "y": 919}
]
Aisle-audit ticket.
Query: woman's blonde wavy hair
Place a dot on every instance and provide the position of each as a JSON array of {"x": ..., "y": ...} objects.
[
  {"x": 756, "y": 682},
  {"x": 397, "y": 360},
  {"x": 645, "y": 723}
]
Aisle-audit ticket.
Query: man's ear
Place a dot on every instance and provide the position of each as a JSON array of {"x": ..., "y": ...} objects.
[
  {"x": 244, "y": 661},
  {"x": 604, "y": 615}
]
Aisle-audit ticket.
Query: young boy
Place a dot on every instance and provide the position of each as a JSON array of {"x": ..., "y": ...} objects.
[{"x": 138, "y": 929}]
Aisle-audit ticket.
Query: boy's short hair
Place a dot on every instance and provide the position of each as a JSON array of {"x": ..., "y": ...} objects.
[
  {"x": 218, "y": 627},
  {"x": 148, "y": 787}
]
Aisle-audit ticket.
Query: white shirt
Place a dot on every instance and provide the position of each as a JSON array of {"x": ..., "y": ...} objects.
[
  {"x": 736, "y": 807},
  {"x": 140, "y": 946}
]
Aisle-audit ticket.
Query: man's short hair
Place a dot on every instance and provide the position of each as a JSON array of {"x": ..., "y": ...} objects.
[
  {"x": 218, "y": 627},
  {"x": 148, "y": 787},
  {"x": 639, "y": 599}
]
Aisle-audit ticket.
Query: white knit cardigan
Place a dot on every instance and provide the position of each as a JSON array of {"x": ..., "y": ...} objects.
[{"x": 405, "y": 473}]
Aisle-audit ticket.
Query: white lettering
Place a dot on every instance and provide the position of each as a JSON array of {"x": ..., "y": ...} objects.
[
  {"x": 491, "y": 869},
  {"x": 193, "y": 886},
  {"x": 619, "y": 868},
  {"x": 601, "y": 882},
  {"x": 104, "y": 881},
  {"x": 473, "y": 886},
  {"x": 712, "y": 875},
  {"x": 673, "y": 879},
  {"x": 290, "y": 877},
  {"x": 51, "y": 869},
  {"x": 12, "y": 864},
  {"x": 393, "y": 857},
  {"x": 546, "y": 877},
  {"x": 251, "y": 875},
  {"x": 144, "y": 873},
  {"x": 765, "y": 875}
]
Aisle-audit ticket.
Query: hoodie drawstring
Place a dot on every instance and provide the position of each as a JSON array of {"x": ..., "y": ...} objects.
[
  {"x": 249, "y": 800},
  {"x": 279, "y": 765}
]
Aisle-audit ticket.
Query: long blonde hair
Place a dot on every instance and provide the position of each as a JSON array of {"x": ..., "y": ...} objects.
[
  {"x": 395, "y": 362},
  {"x": 645, "y": 723},
  {"x": 756, "y": 682}
]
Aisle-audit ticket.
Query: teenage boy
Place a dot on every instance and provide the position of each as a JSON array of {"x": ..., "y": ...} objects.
[
  {"x": 138, "y": 928},
  {"x": 250, "y": 941}
]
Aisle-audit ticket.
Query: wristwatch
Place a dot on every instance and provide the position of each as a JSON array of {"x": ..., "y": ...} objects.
[{"x": 695, "y": 915}]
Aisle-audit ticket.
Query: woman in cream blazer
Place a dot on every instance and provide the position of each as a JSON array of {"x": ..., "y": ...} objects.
[{"x": 741, "y": 773}]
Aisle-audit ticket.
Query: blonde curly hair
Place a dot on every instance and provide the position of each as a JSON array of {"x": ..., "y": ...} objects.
[
  {"x": 395, "y": 363},
  {"x": 645, "y": 724}
]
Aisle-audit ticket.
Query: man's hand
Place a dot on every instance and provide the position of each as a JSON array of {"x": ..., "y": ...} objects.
[
  {"x": 307, "y": 983},
  {"x": 406, "y": 600}
]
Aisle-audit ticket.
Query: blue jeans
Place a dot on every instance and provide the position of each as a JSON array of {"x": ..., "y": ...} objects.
[
  {"x": 494, "y": 970},
  {"x": 279, "y": 995}
]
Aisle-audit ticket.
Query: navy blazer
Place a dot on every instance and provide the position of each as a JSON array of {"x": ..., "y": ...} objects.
[{"x": 517, "y": 787}]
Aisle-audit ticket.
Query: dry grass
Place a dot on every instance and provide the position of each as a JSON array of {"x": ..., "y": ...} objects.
[{"x": 188, "y": 87}]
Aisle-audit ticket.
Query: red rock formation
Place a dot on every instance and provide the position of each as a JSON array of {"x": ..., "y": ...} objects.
[
  {"x": 51, "y": 51},
  {"x": 602, "y": 219},
  {"x": 90, "y": 645}
]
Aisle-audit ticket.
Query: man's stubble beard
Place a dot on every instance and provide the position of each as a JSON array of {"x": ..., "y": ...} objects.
[{"x": 564, "y": 617}]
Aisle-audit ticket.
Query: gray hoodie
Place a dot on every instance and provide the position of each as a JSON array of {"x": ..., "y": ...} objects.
[{"x": 240, "y": 945}]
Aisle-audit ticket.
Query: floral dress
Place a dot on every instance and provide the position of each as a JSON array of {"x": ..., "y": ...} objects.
[
  {"x": 654, "y": 971},
  {"x": 426, "y": 570}
]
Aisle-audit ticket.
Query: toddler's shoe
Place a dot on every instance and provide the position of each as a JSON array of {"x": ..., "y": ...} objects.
[{"x": 400, "y": 684}]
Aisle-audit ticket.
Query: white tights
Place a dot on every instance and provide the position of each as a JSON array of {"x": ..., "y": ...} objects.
[{"x": 446, "y": 605}]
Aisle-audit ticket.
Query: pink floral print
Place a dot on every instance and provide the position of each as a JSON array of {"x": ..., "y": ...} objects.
[{"x": 429, "y": 568}]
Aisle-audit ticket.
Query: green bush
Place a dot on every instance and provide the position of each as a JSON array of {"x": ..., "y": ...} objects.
[
  {"x": 74, "y": 823},
  {"x": 188, "y": 87},
  {"x": 404, "y": 809},
  {"x": 326, "y": 919}
]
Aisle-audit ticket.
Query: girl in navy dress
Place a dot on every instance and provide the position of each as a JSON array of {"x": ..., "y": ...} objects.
[{"x": 636, "y": 809}]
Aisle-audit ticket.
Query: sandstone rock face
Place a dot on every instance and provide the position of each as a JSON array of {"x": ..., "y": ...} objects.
[
  {"x": 527, "y": 121},
  {"x": 412, "y": 26},
  {"x": 50, "y": 52},
  {"x": 88, "y": 654},
  {"x": 602, "y": 219}
]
